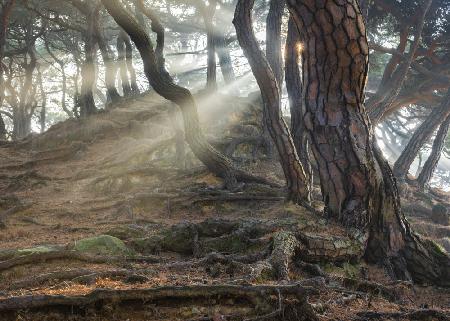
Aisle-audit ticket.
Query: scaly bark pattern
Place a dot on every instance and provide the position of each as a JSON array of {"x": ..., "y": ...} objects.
[{"x": 357, "y": 183}]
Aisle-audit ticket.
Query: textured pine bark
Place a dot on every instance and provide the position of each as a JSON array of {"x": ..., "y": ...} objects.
[
  {"x": 294, "y": 89},
  {"x": 438, "y": 145},
  {"x": 357, "y": 183},
  {"x": 421, "y": 136},
  {"x": 295, "y": 176}
]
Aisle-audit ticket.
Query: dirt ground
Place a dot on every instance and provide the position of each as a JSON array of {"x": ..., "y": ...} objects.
[{"x": 117, "y": 171}]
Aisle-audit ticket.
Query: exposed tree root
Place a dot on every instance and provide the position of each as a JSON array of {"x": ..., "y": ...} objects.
[
  {"x": 252, "y": 294},
  {"x": 78, "y": 275},
  {"x": 9, "y": 212},
  {"x": 414, "y": 315},
  {"x": 72, "y": 255}
]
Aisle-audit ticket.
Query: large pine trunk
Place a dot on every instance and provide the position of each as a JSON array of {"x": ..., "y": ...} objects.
[
  {"x": 421, "y": 136},
  {"x": 438, "y": 145},
  {"x": 357, "y": 184},
  {"x": 298, "y": 189}
]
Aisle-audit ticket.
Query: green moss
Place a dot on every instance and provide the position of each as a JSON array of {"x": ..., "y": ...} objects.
[{"x": 102, "y": 245}]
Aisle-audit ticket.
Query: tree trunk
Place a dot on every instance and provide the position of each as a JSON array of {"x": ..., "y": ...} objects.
[
  {"x": 164, "y": 85},
  {"x": 356, "y": 181},
  {"x": 294, "y": 89},
  {"x": 438, "y": 145},
  {"x": 421, "y": 136},
  {"x": 4, "y": 16},
  {"x": 43, "y": 113},
  {"x": 273, "y": 54},
  {"x": 88, "y": 72},
  {"x": 129, "y": 63},
  {"x": 211, "y": 71},
  {"x": 225, "y": 62},
  {"x": 108, "y": 60},
  {"x": 273, "y": 39},
  {"x": 298, "y": 189},
  {"x": 24, "y": 110},
  {"x": 64, "y": 79},
  {"x": 121, "y": 53},
  {"x": 208, "y": 11},
  {"x": 3, "y": 132}
]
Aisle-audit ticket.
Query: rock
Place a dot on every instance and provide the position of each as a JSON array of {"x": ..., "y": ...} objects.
[
  {"x": 439, "y": 215},
  {"x": 102, "y": 245}
]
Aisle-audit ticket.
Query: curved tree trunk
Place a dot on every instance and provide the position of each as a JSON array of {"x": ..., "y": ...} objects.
[
  {"x": 421, "y": 136},
  {"x": 298, "y": 189},
  {"x": 164, "y": 85},
  {"x": 357, "y": 183},
  {"x": 294, "y": 89},
  {"x": 121, "y": 53},
  {"x": 438, "y": 145}
]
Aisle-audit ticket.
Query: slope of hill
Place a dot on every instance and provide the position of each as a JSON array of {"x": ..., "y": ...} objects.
[{"x": 100, "y": 222}]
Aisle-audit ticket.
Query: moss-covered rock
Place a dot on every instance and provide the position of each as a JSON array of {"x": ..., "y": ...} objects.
[
  {"x": 102, "y": 245},
  {"x": 178, "y": 238}
]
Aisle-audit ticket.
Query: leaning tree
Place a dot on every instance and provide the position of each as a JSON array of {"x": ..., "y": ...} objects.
[{"x": 356, "y": 181}]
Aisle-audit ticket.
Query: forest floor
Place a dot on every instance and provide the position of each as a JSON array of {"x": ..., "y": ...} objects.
[{"x": 97, "y": 222}]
